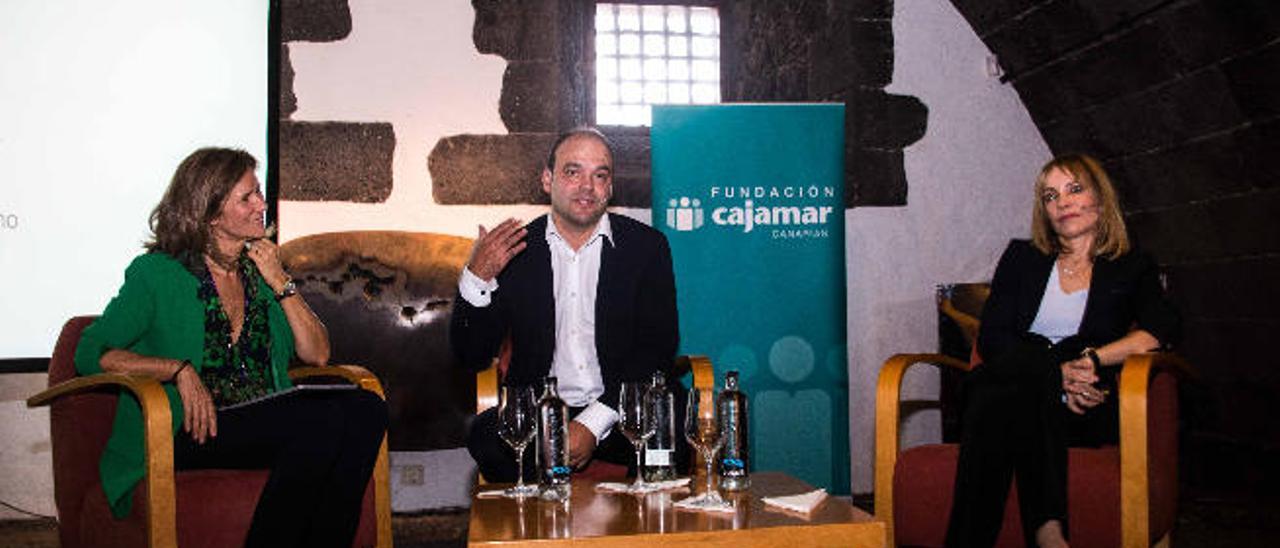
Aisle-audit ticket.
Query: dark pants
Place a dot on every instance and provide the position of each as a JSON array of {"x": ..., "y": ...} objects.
[
  {"x": 1015, "y": 424},
  {"x": 320, "y": 447},
  {"x": 497, "y": 460}
]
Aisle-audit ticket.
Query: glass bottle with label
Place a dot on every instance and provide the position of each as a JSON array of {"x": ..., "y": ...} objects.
[
  {"x": 732, "y": 413},
  {"x": 553, "y": 443},
  {"x": 659, "y": 452}
]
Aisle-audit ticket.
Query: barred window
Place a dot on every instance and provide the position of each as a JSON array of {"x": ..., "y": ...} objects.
[{"x": 654, "y": 55}]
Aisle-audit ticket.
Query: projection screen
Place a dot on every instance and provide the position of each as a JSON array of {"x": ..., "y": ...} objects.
[{"x": 99, "y": 101}]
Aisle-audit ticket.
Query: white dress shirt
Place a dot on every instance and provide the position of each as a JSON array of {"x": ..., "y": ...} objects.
[{"x": 574, "y": 363}]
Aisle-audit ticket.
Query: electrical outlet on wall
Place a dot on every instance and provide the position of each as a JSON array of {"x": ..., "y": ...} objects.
[
  {"x": 412, "y": 474},
  {"x": 424, "y": 480}
]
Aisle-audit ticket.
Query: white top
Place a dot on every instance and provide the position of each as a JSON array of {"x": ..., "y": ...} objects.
[
  {"x": 574, "y": 363},
  {"x": 1060, "y": 313}
]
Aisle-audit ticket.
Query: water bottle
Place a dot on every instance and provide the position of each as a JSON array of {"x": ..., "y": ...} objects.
[
  {"x": 659, "y": 450},
  {"x": 553, "y": 443},
  {"x": 731, "y": 411}
]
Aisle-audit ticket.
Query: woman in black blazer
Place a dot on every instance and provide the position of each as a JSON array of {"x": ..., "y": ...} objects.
[{"x": 1065, "y": 310}]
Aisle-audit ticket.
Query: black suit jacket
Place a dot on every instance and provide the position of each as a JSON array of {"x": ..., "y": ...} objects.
[
  {"x": 1124, "y": 293},
  {"x": 637, "y": 328}
]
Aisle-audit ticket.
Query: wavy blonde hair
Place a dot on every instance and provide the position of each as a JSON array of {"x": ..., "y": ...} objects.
[{"x": 1112, "y": 239}]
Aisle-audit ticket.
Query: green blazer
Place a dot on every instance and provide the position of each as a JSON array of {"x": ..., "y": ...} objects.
[{"x": 157, "y": 313}]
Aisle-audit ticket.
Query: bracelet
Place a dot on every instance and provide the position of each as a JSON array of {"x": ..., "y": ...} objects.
[
  {"x": 185, "y": 364},
  {"x": 1093, "y": 357}
]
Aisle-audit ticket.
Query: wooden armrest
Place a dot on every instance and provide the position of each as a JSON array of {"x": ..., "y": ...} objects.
[
  {"x": 366, "y": 380},
  {"x": 1135, "y": 378},
  {"x": 888, "y": 394},
  {"x": 486, "y": 389},
  {"x": 353, "y": 374},
  {"x": 157, "y": 435}
]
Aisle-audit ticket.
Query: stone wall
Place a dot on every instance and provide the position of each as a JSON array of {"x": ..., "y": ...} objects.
[
  {"x": 1180, "y": 99},
  {"x": 319, "y": 161},
  {"x": 771, "y": 51}
]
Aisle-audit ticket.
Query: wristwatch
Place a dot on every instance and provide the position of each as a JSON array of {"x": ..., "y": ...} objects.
[
  {"x": 287, "y": 290},
  {"x": 1093, "y": 357}
]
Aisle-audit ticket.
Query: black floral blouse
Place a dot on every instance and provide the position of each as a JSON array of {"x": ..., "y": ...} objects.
[{"x": 239, "y": 371}]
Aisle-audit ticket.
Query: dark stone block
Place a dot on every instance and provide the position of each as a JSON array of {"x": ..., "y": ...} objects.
[
  {"x": 1255, "y": 81},
  {"x": 507, "y": 169},
  {"x": 489, "y": 169},
  {"x": 765, "y": 49},
  {"x": 1116, "y": 12},
  {"x": 874, "y": 178},
  {"x": 1132, "y": 62},
  {"x": 878, "y": 120},
  {"x": 521, "y": 30},
  {"x": 1195, "y": 171},
  {"x": 1208, "y": 31},
  {"x": 987, "y": 15},
  {"x": 1246, "y": 224},
  {"x": 851, "y": 53},
  {"x": 1260, "y": 147},
  {"x": 861, "y": 9},
  {"x": 632, "y": 183},
  {"x": 531, "y": 98},
  {"x": 1046, "y": 98},
  {"x": 1251, "y": 294},
  {"x": 314, "y": 20},
  {"x": 1071, "y": 134},
  {"x": 336, "y": 161},
  {"x": 1041, "y": 35},
  {"x": 1231, "y": 227},
  {"x": 1178, "y": 234},
  {"x": 1197, "y": 105},
  {"x": 288, "y": 101}
]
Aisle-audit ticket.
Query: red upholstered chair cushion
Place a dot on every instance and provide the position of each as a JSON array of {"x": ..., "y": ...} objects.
[
  {"x": 214, "y": 507},
  {"x": 206, "y": 516},
  {"x": 924, "y": 478}
]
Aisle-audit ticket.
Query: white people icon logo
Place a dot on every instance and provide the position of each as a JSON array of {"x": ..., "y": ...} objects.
[{"x": 684, "y": 214}]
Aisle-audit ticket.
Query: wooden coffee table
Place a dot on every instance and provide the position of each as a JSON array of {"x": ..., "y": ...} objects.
[{"x": 612, "y": 519}]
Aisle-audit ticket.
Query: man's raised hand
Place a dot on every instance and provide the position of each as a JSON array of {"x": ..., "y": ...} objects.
[{"x": 494, "y": 248}]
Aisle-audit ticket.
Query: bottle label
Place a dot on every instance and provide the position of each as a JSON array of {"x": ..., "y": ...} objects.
[
  {"x": 657, "y": 457},
  {"x": 732, "y": 465}
]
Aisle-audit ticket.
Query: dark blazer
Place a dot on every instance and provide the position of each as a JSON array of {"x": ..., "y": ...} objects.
[
  {"x": 1124, "y": 294},
  {"x": 637, "y": 328}
]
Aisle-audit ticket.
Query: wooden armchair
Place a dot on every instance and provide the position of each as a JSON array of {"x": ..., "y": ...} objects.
[
  {"x": 187, "y": 508},
  {"x": 704, "y": 376},
  {"x": 1117, "y": 496}
]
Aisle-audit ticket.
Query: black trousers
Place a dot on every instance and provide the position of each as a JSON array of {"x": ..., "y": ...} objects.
[
  {"x": 320, "y": 447},
  {"x": 497, "y": 460},
  {"x": 1015, "y": 424}
]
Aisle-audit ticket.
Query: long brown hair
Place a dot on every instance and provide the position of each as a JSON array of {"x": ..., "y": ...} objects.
[
  {"x": 180, "y": 222},
  {"x": 1112, "y": 239}
]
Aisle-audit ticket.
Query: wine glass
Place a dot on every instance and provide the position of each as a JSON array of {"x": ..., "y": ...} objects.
[
  {"x": 637, "y": 424},
  {"x": 703, "y": 433},
  {"x": 517, "y": 422}
]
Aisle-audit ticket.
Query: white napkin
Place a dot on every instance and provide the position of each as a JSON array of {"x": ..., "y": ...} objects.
[
  {"x": 683, "y": 504},
  {"x": 802, "y": 503},
  {"x": 494, "y": 494},
  {"x": 649, "y": 487}
]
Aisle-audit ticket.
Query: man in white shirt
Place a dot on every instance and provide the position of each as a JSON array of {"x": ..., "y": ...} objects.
[{"x": 585, "y": 296}]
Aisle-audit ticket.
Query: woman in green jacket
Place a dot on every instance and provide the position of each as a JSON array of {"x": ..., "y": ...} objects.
[{"x": 210, "y": 311}]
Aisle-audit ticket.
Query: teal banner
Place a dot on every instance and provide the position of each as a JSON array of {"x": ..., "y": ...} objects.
[{"x": 751, "y": 198}]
